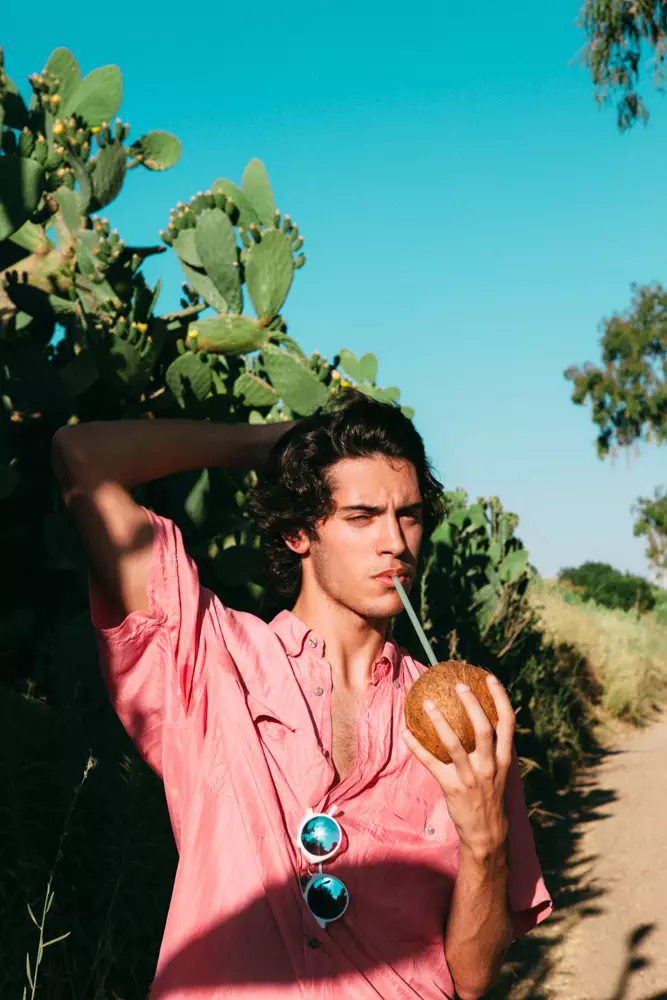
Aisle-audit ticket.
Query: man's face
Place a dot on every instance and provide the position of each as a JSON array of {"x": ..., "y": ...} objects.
[{"x": 374, "y": 532}]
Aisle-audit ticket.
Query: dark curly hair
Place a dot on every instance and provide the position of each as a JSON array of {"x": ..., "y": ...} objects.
[{"x": 293, "y": 492}]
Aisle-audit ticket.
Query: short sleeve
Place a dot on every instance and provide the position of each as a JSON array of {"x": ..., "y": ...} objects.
[
  {"x": 529, "y": 898},
  {"x": 153, "y": 662}
]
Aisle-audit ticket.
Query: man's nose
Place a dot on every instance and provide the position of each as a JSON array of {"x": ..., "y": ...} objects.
[{"x": 392, "y": 539}]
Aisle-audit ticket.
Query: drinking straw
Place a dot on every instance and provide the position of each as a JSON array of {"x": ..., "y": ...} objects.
[{"x": 415, "y": 621}]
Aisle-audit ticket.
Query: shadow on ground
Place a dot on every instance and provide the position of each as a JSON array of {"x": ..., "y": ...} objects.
[
  {"x": 533, "y": 958},
  {"x": 576, "y": 896}
]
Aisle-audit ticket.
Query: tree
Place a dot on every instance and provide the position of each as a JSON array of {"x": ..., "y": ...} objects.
[
  {"x": 628, "y": 391},
  {"x": 619, "y": 32},
  {"x": 651, "y": 522}
]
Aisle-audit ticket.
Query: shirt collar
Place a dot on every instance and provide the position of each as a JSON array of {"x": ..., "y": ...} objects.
[{"x": 294, "y": 635}]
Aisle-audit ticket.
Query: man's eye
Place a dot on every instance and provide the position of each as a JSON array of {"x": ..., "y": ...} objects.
[{"x": 360, "y": 517}]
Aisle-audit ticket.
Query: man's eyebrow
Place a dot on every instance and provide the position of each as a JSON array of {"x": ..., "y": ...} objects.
[{"x": 412, "y": 508}]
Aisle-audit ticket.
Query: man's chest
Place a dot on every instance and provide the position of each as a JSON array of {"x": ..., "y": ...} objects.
[{"x": 345, "y": 723}]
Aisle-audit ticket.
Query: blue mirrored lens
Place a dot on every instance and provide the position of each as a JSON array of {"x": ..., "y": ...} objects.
[
  {"x": 320, "y": 836},
  {"x": 327, "y": 897}
]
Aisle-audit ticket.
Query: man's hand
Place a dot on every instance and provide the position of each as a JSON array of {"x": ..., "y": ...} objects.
[{"x": 474, "y": 784}]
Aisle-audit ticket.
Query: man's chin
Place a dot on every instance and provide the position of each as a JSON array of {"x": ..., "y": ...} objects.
[{"x": 387, "y": 606}]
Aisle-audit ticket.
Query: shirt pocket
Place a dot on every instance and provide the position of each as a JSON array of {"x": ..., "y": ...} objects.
[
  {"x": 420, "y": 810},
  {"x": 272, "y": 731}
]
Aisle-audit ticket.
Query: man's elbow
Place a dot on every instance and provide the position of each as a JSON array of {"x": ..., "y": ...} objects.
[
  {"x": 477, "y": 985},
  {"x": 66, "y": 457},
  {"x": 473, "y": 991}
]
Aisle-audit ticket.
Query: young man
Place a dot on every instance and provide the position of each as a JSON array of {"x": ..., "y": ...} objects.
[{"x": 322, "y": 852}]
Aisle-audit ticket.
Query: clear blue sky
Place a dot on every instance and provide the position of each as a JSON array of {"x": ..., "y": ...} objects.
[{"x": 469, "y": 213}]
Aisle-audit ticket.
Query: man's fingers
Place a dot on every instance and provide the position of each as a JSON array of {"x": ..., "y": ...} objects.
[
  {"x": 422, "y": 754},
  {"x": 450, "y": 741},
  {"x": 506, "y": 722},
  {"x": 484, "y": 736}
]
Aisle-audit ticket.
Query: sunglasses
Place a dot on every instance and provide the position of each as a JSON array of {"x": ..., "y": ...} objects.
[{"x": 319, "y": 839}]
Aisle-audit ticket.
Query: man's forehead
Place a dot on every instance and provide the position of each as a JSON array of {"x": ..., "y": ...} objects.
[{"x": 373, "y": 481}]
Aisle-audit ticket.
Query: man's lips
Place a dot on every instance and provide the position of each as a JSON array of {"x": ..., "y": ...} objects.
[{"x": 386, "y": 577}]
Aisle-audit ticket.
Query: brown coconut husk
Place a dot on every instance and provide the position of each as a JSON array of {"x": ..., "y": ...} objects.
[{"x": 438, "y": 683}]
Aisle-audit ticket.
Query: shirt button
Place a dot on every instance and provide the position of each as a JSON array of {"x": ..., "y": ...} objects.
[
  {"x": 313, "y": 943},
  {"x": 397, "y": 684},
  {"x": 312, "y": 643},
  {"x": 318, "y": 691},
  {"x": 430, "y": 830},
  {"x": 325, "y": 752}
]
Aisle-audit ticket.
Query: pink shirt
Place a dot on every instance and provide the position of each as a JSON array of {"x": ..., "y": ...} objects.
[{"x": 235, "y": 716}]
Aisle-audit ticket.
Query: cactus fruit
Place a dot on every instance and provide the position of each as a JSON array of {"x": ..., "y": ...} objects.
[
  {"x": 125, "y": 356},
  {"x": 63, "y": 66},
  {"x": 246, "y": 212},
  {"x": 438, "y": 683}
]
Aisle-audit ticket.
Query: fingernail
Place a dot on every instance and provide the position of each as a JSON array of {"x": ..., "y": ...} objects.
[
  {"x": 407, "y": 736},
  {"x": 429, "y": 705},
  {"x": 462, "y": 688},
  {"x": 492, "y": 679}
]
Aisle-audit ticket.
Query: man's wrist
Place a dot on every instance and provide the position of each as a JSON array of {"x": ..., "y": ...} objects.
[{"x": 487, "y": 854}]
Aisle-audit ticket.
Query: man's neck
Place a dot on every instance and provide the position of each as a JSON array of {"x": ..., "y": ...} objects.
[{"x": 352, "y": 643}]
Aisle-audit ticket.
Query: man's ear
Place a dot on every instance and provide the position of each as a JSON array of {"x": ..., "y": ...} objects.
[{"x": 299, "y": 543}]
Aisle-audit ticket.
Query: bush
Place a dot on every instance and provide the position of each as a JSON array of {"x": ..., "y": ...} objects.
[{"x": 601, "y": 583}]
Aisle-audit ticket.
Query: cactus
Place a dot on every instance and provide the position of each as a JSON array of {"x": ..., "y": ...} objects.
[
  {"x": 255, "y": 391},
  {"x": 257, "y": 187},
  {"x": 156, "y": 150},
  {"x": 189, "y": 375},
  {"x": 475, "y": 545},
  {"x": 95, "y": 99},
  {"x": 363, "y": 372},
  {"x": 107, "y": 174},
  {"x": 227, "y": 334},
  {"x": 21, "y": 186},
  {"x": 269, "y": 271},
  {"x": 216, "y": 248},
  {"x": 62, "y": 65},
  {"x": 294, "y": 383},
  {"x": 246, "y": 214}
]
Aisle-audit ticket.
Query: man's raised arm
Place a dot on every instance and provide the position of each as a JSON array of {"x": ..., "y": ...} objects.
[{"x": 97, "y": 464}]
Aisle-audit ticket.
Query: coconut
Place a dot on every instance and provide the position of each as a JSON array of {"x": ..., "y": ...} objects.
[{"x": 438, "y": 683}]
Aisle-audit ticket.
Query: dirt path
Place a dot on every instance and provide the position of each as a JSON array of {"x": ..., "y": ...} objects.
[{"x": 613, "y": 944}]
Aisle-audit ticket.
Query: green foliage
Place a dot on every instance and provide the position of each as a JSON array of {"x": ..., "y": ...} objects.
[
  {"x": 474, "y": 605},
  {"x": 651, "y": 523},
  {"x": 601, "y": 583},
  {"x": 628, "y": 392},
  {"x": 660, "y": 607},
  {"x": 618, "y": 35}
]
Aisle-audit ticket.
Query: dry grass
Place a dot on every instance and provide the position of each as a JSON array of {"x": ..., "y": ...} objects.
[{"x": 627, "y": 654}]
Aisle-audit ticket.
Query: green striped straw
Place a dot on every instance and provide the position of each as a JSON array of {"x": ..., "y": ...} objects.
[{"x": 415, "y": 621}]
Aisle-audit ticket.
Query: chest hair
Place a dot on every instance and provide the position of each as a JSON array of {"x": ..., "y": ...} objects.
[{"x": 344, "y": 712}]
